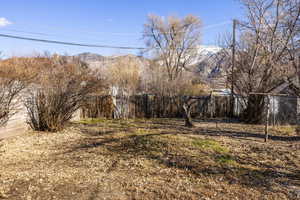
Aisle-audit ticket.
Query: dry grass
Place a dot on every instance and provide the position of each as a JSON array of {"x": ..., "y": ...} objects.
[{"x": 151, "y": 159}]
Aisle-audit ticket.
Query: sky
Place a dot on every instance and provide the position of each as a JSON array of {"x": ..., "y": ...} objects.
[{"x": 102, "y": 22}]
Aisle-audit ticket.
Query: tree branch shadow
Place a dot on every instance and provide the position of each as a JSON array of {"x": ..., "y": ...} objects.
[
  {"x": 240, "y": 134},
  {"x": 152, "y": 148}
]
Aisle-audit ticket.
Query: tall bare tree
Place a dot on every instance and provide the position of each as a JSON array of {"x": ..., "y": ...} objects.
[
  {"x": 174, "y": 42},
  {"x": 264, "y": 51}
]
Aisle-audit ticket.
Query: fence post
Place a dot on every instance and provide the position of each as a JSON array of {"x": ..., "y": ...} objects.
[
  {"x": 211, "y": 106},
  {"x": 273, "y": 110},
  {"x": 267, "y": 119},
  {"x": 146, "y": 103}
]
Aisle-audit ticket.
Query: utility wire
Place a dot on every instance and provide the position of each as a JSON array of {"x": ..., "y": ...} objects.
[
  {"x": 26, "y": 32},
  {"x": 83, "y": 44},
  {"x": 70, "y": 43},
  {"x": 205, "y": 27},
  {"x": 94, "y": 39}
]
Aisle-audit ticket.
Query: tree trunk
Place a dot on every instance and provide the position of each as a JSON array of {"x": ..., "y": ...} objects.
[
  {"x": 187, "y": 115},
  {"x": 254, "y": 113}
]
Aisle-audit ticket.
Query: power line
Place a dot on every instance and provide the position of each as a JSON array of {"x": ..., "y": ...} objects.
[
  {"x": 205, "y": 27},
  {"x": 73, "y": 43},
  {"x": 94, "y": 39},
  {"x": 70, "y": 43},
  {"x": 83, "y": 44},
  {"x": 26, "y": 32}
]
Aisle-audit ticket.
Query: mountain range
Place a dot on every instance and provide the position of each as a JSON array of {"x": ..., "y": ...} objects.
[{"x": 204, "y": 62}]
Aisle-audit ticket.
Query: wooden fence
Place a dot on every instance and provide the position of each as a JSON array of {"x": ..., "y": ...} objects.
[{"x": 150, "y": 106}]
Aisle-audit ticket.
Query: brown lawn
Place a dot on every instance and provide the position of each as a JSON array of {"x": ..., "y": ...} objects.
[{"x": 151, "y": 159}]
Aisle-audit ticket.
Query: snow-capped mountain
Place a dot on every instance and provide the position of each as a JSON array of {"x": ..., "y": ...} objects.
[
  {"x": 204, "y": 63},
  {"x": 95, "y": 60},
  {"x": 203, "y": 52},
  {"x": 208, "y": 50}
]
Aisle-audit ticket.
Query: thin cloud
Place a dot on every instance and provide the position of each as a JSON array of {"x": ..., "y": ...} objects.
[{"x": 4, "y": 22}]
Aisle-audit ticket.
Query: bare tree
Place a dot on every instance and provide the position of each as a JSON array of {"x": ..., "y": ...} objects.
[
  {"x": 174, "y": 42},
  {"x": 59, "y": 90},
  {"x": 191, "y": 91},
  {"x": 187, "y": 88},
  {"x": 264, "y": 51}
]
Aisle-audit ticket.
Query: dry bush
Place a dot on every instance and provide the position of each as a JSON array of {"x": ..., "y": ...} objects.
[
  {"x": 191, "y": 90},
  {"x": 123, "y": 77},
  {"x": 15, "y": 74},
  {"x": 124, "y": 73},
  {"x": 58, "y": 91},
  {"x": 9, "y": 91},
  {"x": 187, "y": 86}
]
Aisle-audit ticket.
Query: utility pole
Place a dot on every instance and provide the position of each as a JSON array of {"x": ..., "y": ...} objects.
[
  {"x": 298, "y": 85},
  {"x": 233, "y": 65},
  {"x": 298, "y": 72}
]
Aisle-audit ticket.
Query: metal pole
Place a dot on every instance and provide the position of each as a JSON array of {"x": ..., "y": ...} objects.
[
  {"x": 298, "y": 84},
  {"x": 233, "y": 65},
  {"x": 267, "y": 119}
]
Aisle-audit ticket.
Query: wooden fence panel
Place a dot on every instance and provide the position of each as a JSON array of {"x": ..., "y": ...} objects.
[{"x": 150, "y": 106}]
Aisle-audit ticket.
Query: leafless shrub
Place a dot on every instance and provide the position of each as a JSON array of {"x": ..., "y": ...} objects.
[
  {"x": 191, "y": 91},
  {"x": 58, "y": 91},
  {"x": 14, "y": 77},
  {"x": 123, "y": 78}
]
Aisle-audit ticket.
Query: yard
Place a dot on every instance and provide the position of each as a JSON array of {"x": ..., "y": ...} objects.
[{"x": 152, "y": 159}]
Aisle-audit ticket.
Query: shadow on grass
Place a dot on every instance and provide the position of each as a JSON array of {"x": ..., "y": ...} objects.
[
  {"x": 221, "y": 164},
  {"x": 97, "y": 132},
  {"x": 240, "y": 134},
  {"x": 178, "y": 127}
]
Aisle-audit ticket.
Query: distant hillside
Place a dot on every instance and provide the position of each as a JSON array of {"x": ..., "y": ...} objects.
[
  {"x": 96, "y": 61},
  {"x": 90, "y": 57},
  {"x": 204, "y": 63}
]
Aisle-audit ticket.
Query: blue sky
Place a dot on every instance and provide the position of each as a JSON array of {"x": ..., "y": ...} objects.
[{"x": 108, "y": 22}]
